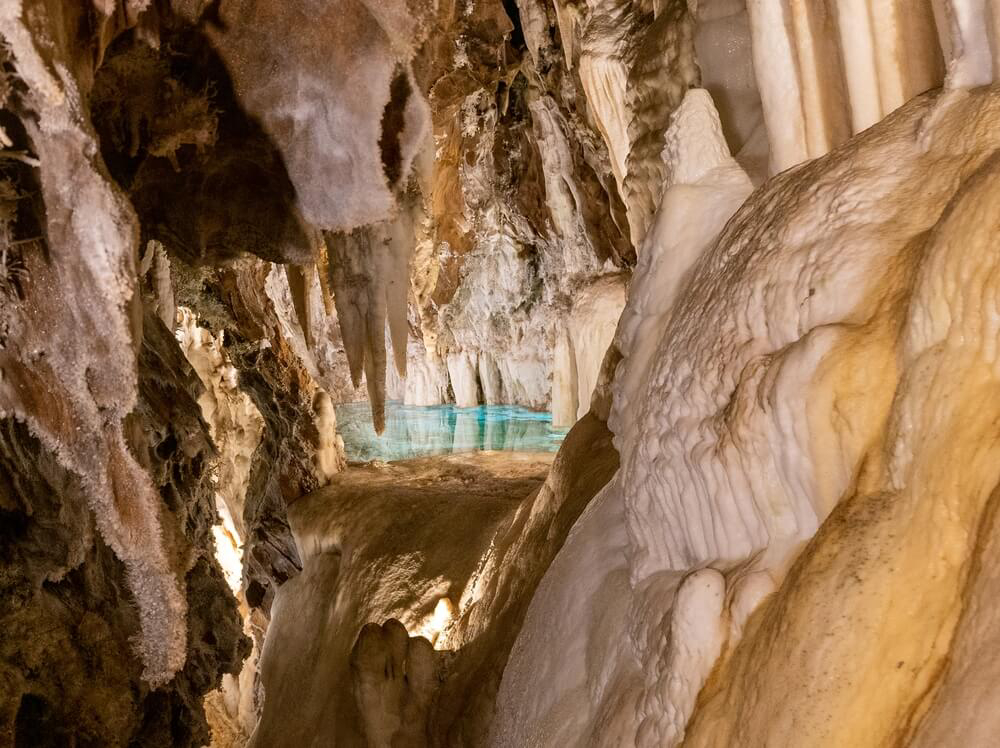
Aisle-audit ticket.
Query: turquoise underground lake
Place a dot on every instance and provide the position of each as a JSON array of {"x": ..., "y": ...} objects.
[{"x": 420, "y": 431}]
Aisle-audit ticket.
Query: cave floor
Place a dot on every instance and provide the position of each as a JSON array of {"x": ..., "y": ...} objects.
[
  {"x": 486, "y": 475},
  {"x": 400, "y": 540},
  {"x": 424, "y": 505}
]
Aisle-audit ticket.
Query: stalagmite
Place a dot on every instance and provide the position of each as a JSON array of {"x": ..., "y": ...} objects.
[
  {"x": 592, "y": 324},
  {"x": 564, "y": 381},
  {"x": 489, "y": 379},
  {"x": 462, "y": 369},
  {"x": 580, "y": 349}
]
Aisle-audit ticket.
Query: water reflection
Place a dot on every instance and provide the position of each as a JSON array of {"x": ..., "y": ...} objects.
[{"x": 416, "y": 431}]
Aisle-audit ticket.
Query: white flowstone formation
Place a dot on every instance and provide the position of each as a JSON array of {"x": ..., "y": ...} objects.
[
  {"x": 706, "y": 187},
  {"x": 590, "y": 328},
  {"x": 777, "y": 385}
]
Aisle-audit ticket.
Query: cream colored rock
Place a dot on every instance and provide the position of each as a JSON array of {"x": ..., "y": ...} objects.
[
  {"x": 426, "y": 379},
  {"x": 827, "y": 70},
  {"x": 462, "y": 368},
  {"x": 234, "y": 422},
  {"x": 799, "y": 368},
  {"x": 590, "y": 329},
  {"x": 596, "y": 675},
  {"x": 382, "y": 547},
  {"x": 565, "y": 397},
  {"x": 901, "y": 544},
  {"x": 969, "y": 34}
]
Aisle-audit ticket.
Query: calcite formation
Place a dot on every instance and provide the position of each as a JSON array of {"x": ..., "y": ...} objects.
[
  {"x": 743, "y": 250},
  {"x": 772, "y": 409}
]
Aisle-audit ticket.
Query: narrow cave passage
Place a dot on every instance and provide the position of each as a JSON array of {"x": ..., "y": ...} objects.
[{"x": 499, "y": 373}]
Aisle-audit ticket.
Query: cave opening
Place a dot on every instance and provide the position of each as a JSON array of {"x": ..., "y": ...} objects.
[{"x": 205, "y": 177}]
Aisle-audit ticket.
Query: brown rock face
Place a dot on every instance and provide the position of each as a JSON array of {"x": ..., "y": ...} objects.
[
  {"x": 67, "y": 612},
  {"x": 120, "y": 127}
]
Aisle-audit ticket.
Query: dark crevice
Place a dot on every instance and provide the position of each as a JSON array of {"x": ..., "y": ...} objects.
[
  {"x": 32, "y": 727},
  {"x": 393, "y": 123},
  {"x": 514, "y": 14},
  {"x": 22, "y": 210}
]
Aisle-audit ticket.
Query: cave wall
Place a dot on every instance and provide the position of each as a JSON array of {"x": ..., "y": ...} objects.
[
  {"x": 133, "y": 182},
  {"x": 182, "y": 165},
  {"x": 524, "y": 210},
  {"x": 70, "y": 617}
]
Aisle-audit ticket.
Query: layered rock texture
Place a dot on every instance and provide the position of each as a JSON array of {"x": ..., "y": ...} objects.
[{"x": 744, "y": 248}]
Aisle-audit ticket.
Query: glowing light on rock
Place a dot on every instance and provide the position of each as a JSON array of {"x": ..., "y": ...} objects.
[
  {"x": 228, "y": 548},
  {"x": 435, "y": 624}
]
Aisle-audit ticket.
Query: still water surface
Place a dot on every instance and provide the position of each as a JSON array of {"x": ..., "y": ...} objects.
[{"x": 418, "y": 431}]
